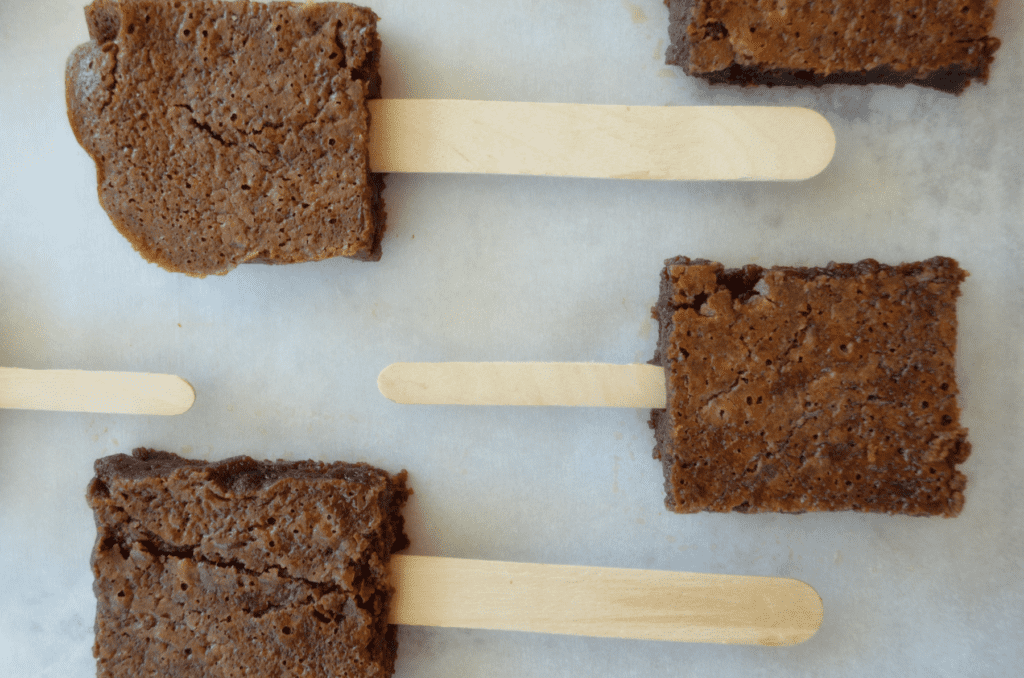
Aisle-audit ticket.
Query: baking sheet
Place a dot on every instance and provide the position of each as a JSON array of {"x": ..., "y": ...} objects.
[{"x": 284, "y": 359}]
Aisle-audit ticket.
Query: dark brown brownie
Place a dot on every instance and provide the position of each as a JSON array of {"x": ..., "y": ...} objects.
[
  {"x": 231, "y": 132},
  {"x": 243, "y": 567},
  {"x": 942, "y": 44},
  {"x": 810, "y": 389}
]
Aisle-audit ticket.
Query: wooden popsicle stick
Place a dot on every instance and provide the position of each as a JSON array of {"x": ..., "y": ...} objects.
[
  {"x": 106, "y": 392},
  {"x": 678, "y": 143},
  {"x": 567, "y": 384},
  {"x": 602, "y": 601}
]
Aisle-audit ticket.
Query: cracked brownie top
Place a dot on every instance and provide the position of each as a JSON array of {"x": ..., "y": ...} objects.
[
  {"x": 810, "y": 389},
  {"x": 221, "y": 568},
  {"x": 229, "y": 132}
]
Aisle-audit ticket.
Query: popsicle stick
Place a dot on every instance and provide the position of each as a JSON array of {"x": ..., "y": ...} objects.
[
  {"x": 600, "y": 601},
  {"x": 106, "y": 392},
  {"x": 679, "y": 143},
  {"x": 567, "y": 384}
]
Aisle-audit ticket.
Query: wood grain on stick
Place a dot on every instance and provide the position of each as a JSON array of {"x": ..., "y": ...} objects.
[
  {"x": 106, "y": 392},
  {"x": 680, "y": 143},
  {"x": 599, "y": 601},
  {"x": 568, "y": 384}
]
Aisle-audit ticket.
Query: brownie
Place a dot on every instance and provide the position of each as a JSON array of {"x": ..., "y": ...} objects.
[
  {"x": 231, "y": 132},
  {"x": 810, "y": 389},
  {"x": 942, "y": 44},
  {"x": 243, "y": 567}
]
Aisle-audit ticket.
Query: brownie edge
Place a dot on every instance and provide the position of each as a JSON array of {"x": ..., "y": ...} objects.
[
  {"x": 810, "y": 389},
  {"x": 243, "y": 567}
]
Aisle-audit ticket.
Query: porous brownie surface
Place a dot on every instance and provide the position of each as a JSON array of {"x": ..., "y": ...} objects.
[
  {"x": 942, "y": 44},
  {"x": 810, "y": 389},
  {"x": 243, "y": 567},
  {"x": 230, "y": 132}
]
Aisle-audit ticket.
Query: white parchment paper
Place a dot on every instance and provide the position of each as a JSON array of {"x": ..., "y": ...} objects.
[{"x": 284, "y": 360}]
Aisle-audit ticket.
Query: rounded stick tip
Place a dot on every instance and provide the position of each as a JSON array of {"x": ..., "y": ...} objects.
[
  {"x": 386, "y": 382},
  {"x": 185, "y": 397}
]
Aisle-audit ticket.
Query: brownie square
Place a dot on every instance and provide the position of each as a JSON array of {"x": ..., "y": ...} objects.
[
  {"x": 940, "y": 43},
  {"x": 243, "y": 567},
  {"x": 231, "y": 132},
  {"x": 810, "y": 389}
]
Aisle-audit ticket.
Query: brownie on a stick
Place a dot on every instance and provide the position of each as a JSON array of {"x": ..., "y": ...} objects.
[
  {"x": 231, "y": 132},
  {"x": 243, "y": 567},
  {"x": 943, "y": 44},
  {"x": 810, "y": 389}
]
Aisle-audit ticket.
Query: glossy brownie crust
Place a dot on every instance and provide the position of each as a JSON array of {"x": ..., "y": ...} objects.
[
  {"x": 942, "y": 44},
  {"x": 243, "y": 567},
  {"x": 810, "y": 389}
]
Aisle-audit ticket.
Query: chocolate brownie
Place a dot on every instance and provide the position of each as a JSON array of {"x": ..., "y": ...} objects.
[
  {"x": 231, "y": 132},
  {"x": 942, "y": 44},
  {"x": 810, "y": 389},
  {"x": 243, "y": 567}
]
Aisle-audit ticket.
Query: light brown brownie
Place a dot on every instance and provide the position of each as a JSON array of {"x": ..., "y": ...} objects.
[
  {"x": 243, "y": 567},
  {"x": 231, "y": 132},
  {"x": 810, "y": 389}
]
